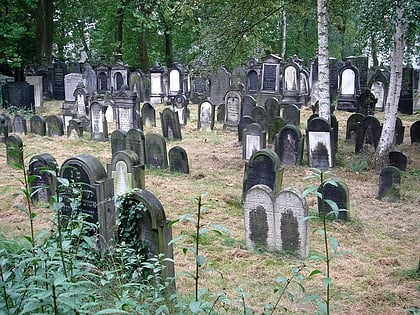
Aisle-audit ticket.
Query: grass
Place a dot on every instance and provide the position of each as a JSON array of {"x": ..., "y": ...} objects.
[{"x": 382, "y": 237}]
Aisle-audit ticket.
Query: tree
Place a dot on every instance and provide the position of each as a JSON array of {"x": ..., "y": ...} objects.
[
  {"x": 44, "y": 31},
  {"x": 323, "y": 62}
]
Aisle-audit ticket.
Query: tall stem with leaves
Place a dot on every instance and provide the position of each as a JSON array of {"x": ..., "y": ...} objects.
[{"x": 198, "y": 261}]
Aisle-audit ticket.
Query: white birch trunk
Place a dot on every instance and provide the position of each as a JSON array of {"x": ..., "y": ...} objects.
[
  {"x": 323, "y": 62},
  {"x": 391, "y": 107},
  {"x": 283, "y": 33}
]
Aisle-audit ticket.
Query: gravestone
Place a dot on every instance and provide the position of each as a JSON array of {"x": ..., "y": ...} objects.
[
  {"x": 398, "y": 159},
  {"x": 36, "y": 81},
  {"x": 125, "y": 109},
  {"x": 89, "y": 77},
  {"x": 178, "y": 160},
  {"x": 334, "y": 128},
  {"x": 119, "y": 74},
  {"x": 148, "y": 115},
  {"x": 264, "y": 168},
  {"x": 243, "y": 124},
  {"x": 179, "y": 105},
  {"x": 103, "y": 78},
  {"x": 288, "y": 145},
  {"x": 171, "y": 128},
  {"x": 156, "y": 153},
  {"x": 270, "y": 78},
  {"x": 259, "y": 114},
  {"x": 54, "y": 125},
  {"x": 38, "y": 125},
  {"x": 220, "y": 116},
  {"x": 176, "y": 80},
  {"x": 135, "y": 83},
  {"x": 320, "y": 144},
  {"x": 366, "y": 103},
  {"x": 154, "y": 231},
  {"x": 59, "y": 71},
  {"x": 109, "y": 103},
  {"x": 81, "y": 100},
  {"x": 333, "y": 76},
  {"x": 126, "y": 171},
  {"x": 18, "y": 94},
  {"x": 44, "y": 184},
  {"x": 220, "y": 85},
  {"x": 47, "y": 87},
  {"x": 74, "y": 67},
  {"x": 389, "y": 184},
  {"x": 205, "y": 120},
  {"x": 254, "y": 139},
  {"x": 233, "y": 109},
  {"x": 71, "y": 82},
  {"x": 349, "y": 87},
  {"x": 336, "y": 193},
  {"x": 75, "y": 129},
  {"x": 86, "y": 124},
  {"x": 399, "y": 131},
  {"x": 415, "y": 132},
  {"x": 274, "y": 127},
  {"x": 248, "y": 104},
  {"x": 291, "y": 83},
  {"x": 378, "y": 84},
  {"x": 14, "y": 151},
  {"x": 237, "y": 77},
  {"x": 361, "y": 63},
  {"x": 291, "y": 114},
  {"x": 118, "y": 141},
  {"x": 275, "y": 223},
  {"x": 4, "y": 128},
  {"x": 368, "y": 134},
  {"x": 406, "y": 100},
  {"x": 157, "y": 91},
  {"x": 19, "y": 124},
  {"x": 304, "y": 88},
  {"x": 272, "y": 107},
  {"x": 98, "y": 123},
  {"x": 135, "y": 141},
  {"x": 252, "y": 77},
  {"x": 352, "y": 125},
  {"x": 97, "y": 190},
  {"x": 198, "y": 89}
]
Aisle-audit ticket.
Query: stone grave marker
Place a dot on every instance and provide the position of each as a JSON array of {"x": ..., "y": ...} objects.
[
  {"x": 243, "y": 124},
  {"x": 291, "y": 83},
  {"x": 126, "y": 171},
  {"x": 176, "y": 78},
  {"x": 46, "y": 75},
  {"x": 80, "y": 99},
  {"x": 71, "y": 83},
  {"x": 180, "y": 106},
  {"x": 274, "y": 127},
  {"x": 98, "y": 123},
  {"x": 14, "y": 151},
  {"x": 86, "y": 123},
  {"x": 349, "y": 87},
  {"x": 205, "y": 116},
  {"x": 156, "y": 153},
  {"x": 338, "y": 194},
  {"x": 352, "y": 125},
  {"x": 333, "y": 76},
  {"x": 378, "y": 85},
  {"x": 118, "y": 141},
  {"x": 119, "y": 74},
  {"x": 59, "y": 71},
  {"x": 135, "y": 141},
  {"x": 4, "y": 128},
  {"x": 252, "y": 77},
  {"x": 270, "y": 78},
  {"x": 109, "y": 104},
  {"x": 368, "y": 134},
  {"x": 233, "y": 109},
  {"x": 406, "y": 100},
  {"x": 178, "y": 160},
  {"x": 103, "y": 78},
  {"x": 87, "y": 172},
  {"x": 220, "y": 84},
  {"x": 125, "y": 109},
  {"x": 18, "y": 94},
  {"x": 38, "y": 125},
  {"x": 75, "y": 129},
  {"x": 366, "y": 103},
  {"x": 19, "y": 124},
  {"x": 135, "y": 83},
  {"x": 44, "y": 184},
  {"x": 264, "y": 168},
  {"x": 288, "y": 145},
  {"x": 148, "y": 114},
  {"x": 237, "y": 77},
  {"x": 157, "y": 89},
  {"x": 320, "y": 144},
  {"x": 74, "y": 67},
  {"x": 415, "y": 132},
  {"x": 220, "y": 116},
  {"x": 171, "y": 128},
  {"x": 36, "y": 81},
  {"x": 334, "y": 127},
  {"x": 54, "y": 125},
  {"x": 398, "y": 159},
  {"x": 259, "y": 114},
  {"x": 254, "y": 139},
  {"x": 304, "y": 88},
  {"x": 291, "y": 114},
  {"x": 272, "y": 107},
  {"x": 399, "y": 131},
  {"x": 389, "y": 184},
  {"x": 248, "y": 104},
  {"x": 90, "y": 80}
]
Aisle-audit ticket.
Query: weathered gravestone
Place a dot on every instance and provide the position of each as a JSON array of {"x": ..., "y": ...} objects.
[
  {"x": 86, "y": 123},
  {"x": 237, "y": 77},
  {"x": 90, "y": 80},
  {"x": 291, "y": 82},
  {"x": 349, "y": 87},
  {"x": 157, "y": 88},
  {"x": 366, "y": 103},
  {"x": 406, "y": 100},
  {"x": 399, "y": 131},
  {"x": 398, "y": 159},
  {"x": 320, "y": 144},
  {"x": 88, "y": 174},
  {"x": 389, "y": 184},
  {"x": 36, "y": 81},
  {"x": 135, "y": 141},
  {"x": 45, "y": 73},
  {"x": 415, "y": 132},
  {"x": 259, "y": 114},
  {"x": 378, "y": 84},
  {"x": 59, "y": 71},
  {"x": 156, "y": 153},
  {"x": 119, "y": 74},
  {"x": 98, "y": 123},
  {"x": 205, "y": 116},
  {"x": 14, "y": 151},
  {"x": 75, "y": 129},
  {"x": 254, "y": 139},
  {"x": 243, "y": 124},
  {"x": 171, "y": 128},
  {"x": 220, "y": 116},
  {"x": 81, "y": 100},
  {"x": 338, "y": 194},
  {"x": 291, "y": 114},
  {"x": 352, "y": 125},
  {"x": 288, "y": 145},
  {"x": 154, "y": 230},
  {"x": 274, "y": 127},
  {"x": 126, "y": 171},
  {"x": 220, "y": 84},
  {"x": 148, "y": 115},
  {"x": 368, "y": 134},
  {"x": 178, "y": 160},
  {"x": 42, "y": 167},
  {"x": 19, "y": 124},
  {"x": 18, "y": 94},
  {"x": 272, "y": 107},
  {"x": 274, "y": 222},
  {"x": 125, "y": 105},
  {"x": 176, "y": 80},
  {"x": 270, "y": 78},
  {"x": 38, "y": 125},
  {"x": 233, "y": 109},
  {"x": 252, "y": 77},
  {"x": 248, "y": 104},
  {"x": 54, "y": 125},
  {"x": 264, "y": 168},
  {"x": 71, "y": 82},
  {"x": 180, "y": 106},
  {"x": 4, "y": 128},
  {"x": 118, "y": 141},
  {"x": 103, "y": 78}
]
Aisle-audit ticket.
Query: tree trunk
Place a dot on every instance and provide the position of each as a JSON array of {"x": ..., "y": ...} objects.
[
  {"x": 169, "y": 55},
  {"x": 44, "y": 31},
  {"x": 323, "y": 62},
  {"x": 119, "y": 29},
  {"x": 283, "y": 33},
  {"x": 374, "y": 48},
  {"x": 143, "y": 53},
  {"x": 386, "y": 140}
]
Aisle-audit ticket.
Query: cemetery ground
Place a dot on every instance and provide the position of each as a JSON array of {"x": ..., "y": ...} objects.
[{"x": 376, "y": 274}]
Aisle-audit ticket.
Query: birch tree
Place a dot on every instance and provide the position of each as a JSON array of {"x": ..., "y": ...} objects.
[{"x": 323, "y": 61}]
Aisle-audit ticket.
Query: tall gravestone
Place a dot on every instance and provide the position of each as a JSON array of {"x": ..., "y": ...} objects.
[
  {"x": 270, "y": 78},
  {"x": 248, "y": 104},
  {"x": 291, "y": 83},
  {"x": 118, "y": 141},
  {"x": 368, "y": 134},
  {"x": 233, "y": 109},
  {"x": 220, "y": 84},
  {"x": 119, "y": 74},
  {"x": 90, "y": 80},
  {"x": 103, "y": 75},
  {"x": 288, "y": 145},
  {"x": 378, "y": 85},
  {"x": 399, "y": 131},
  {"x": 253, "y": 139},
  {"x": 171, "y": 128},
  {"x": 320, "y": 144},
  {"x": 135, "y": 141},
  {"x": 125, "y": 109},
  {"x": 291, "y": 114},
  {"x": 252, "y": 77},
  {"x": 349, "y": 87},
  {"x": 4, "y": 128},
  {"x": 99, "y": 125},
  {"x": 353, "y": 122},
  {"x": 36, "y": 81},
  {"x": 44, "y": 184},
  {"x": 178, "y": 160},
  {"x": 87, "y": 172},
  {"x": 156, "y": 152},
  {"x": 148, "y": 114},
  {"x": 243, "y": 124},
  {"x": 59, "y": 71},
  {"x": 18, "y": 94},
  {"x": 338, "y": 194},
  {"x": 406, "y": 100},
  {"x": 19, "y": 124},
  {"x": 157, "y": 90}
]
